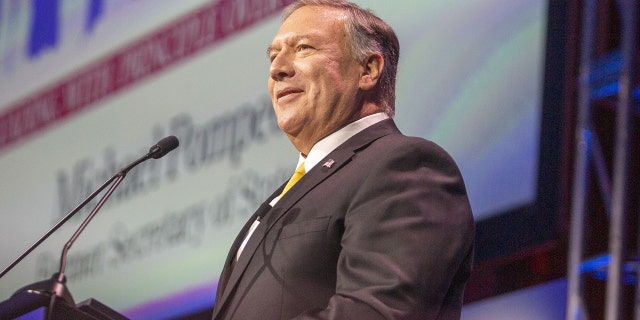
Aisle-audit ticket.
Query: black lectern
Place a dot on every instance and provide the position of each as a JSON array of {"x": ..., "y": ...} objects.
[{"x": 50, "y": 300}]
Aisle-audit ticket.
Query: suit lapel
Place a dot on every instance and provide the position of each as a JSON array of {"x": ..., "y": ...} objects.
[
  {"x": 324, "y": 169},
  {"x": 228, "y": 265},
  {"x": 221, "y": 293}
]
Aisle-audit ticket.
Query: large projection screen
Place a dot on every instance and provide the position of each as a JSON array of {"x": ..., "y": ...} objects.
[{"x": 88, "y": 86}]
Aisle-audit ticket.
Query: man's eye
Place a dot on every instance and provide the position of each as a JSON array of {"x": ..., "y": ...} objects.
[
  {"x": 272, "y": 54},
  {"x": 304, "y": 47}
]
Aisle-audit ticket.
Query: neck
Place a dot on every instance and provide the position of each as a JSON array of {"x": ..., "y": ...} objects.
[{"x": 304, "y": 145}]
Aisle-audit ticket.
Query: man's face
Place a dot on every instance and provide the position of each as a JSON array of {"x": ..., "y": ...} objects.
[{"x": 313, "y": 76}]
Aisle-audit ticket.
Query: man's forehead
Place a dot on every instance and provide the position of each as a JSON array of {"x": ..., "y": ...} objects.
[
  {"x": 311, "y": 22},
  {"x": 319, "y": 11},
  {"x": 313, "y": 17}
]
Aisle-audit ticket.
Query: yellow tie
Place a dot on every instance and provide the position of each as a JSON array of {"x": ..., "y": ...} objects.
[{"x": 297, "y": 175}]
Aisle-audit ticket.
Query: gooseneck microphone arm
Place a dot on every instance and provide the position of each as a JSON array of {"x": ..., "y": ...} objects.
[
  {"x": 56, "y": 226},
  {"x": 63, "y": 258},
  {"x": 157, "y": 151}
]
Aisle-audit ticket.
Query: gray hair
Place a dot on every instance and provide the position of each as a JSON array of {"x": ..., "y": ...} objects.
[{"x": 369, "y": 34}]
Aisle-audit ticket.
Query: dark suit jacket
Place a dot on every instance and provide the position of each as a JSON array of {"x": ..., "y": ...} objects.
[{"x": 385, "y": 232}]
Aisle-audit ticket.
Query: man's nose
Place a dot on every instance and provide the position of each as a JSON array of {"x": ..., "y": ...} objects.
[{"x": 282, "y": 66}]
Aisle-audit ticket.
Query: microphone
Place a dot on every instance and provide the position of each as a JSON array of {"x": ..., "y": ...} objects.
[
  {"x": 55, "y": 286},
  {"x": 159, "y": 150},
  {"x": 163, "y": 147}
]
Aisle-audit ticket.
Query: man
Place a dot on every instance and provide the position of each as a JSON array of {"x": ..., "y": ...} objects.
[{"x": 379, "y": 226}]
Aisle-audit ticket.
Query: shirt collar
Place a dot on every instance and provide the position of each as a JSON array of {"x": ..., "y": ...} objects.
[{"x": 323, "y": 147}]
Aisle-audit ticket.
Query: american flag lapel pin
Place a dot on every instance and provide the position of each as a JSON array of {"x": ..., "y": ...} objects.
[{"x": 329, "y": 163}]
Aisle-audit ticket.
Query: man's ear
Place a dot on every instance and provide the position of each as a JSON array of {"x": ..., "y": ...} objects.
[{"x": 372, "y": 69}]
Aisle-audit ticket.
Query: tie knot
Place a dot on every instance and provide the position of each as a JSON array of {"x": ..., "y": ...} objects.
[
  {"x": 300, "y": 169},
  {"x": 297, "y": 175}
]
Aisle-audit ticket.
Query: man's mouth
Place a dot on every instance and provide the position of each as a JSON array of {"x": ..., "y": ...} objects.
[{"x": 286, "y": 91}]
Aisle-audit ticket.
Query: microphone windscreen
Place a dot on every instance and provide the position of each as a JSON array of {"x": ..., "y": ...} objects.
[{"x": 164, "y": 146}]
